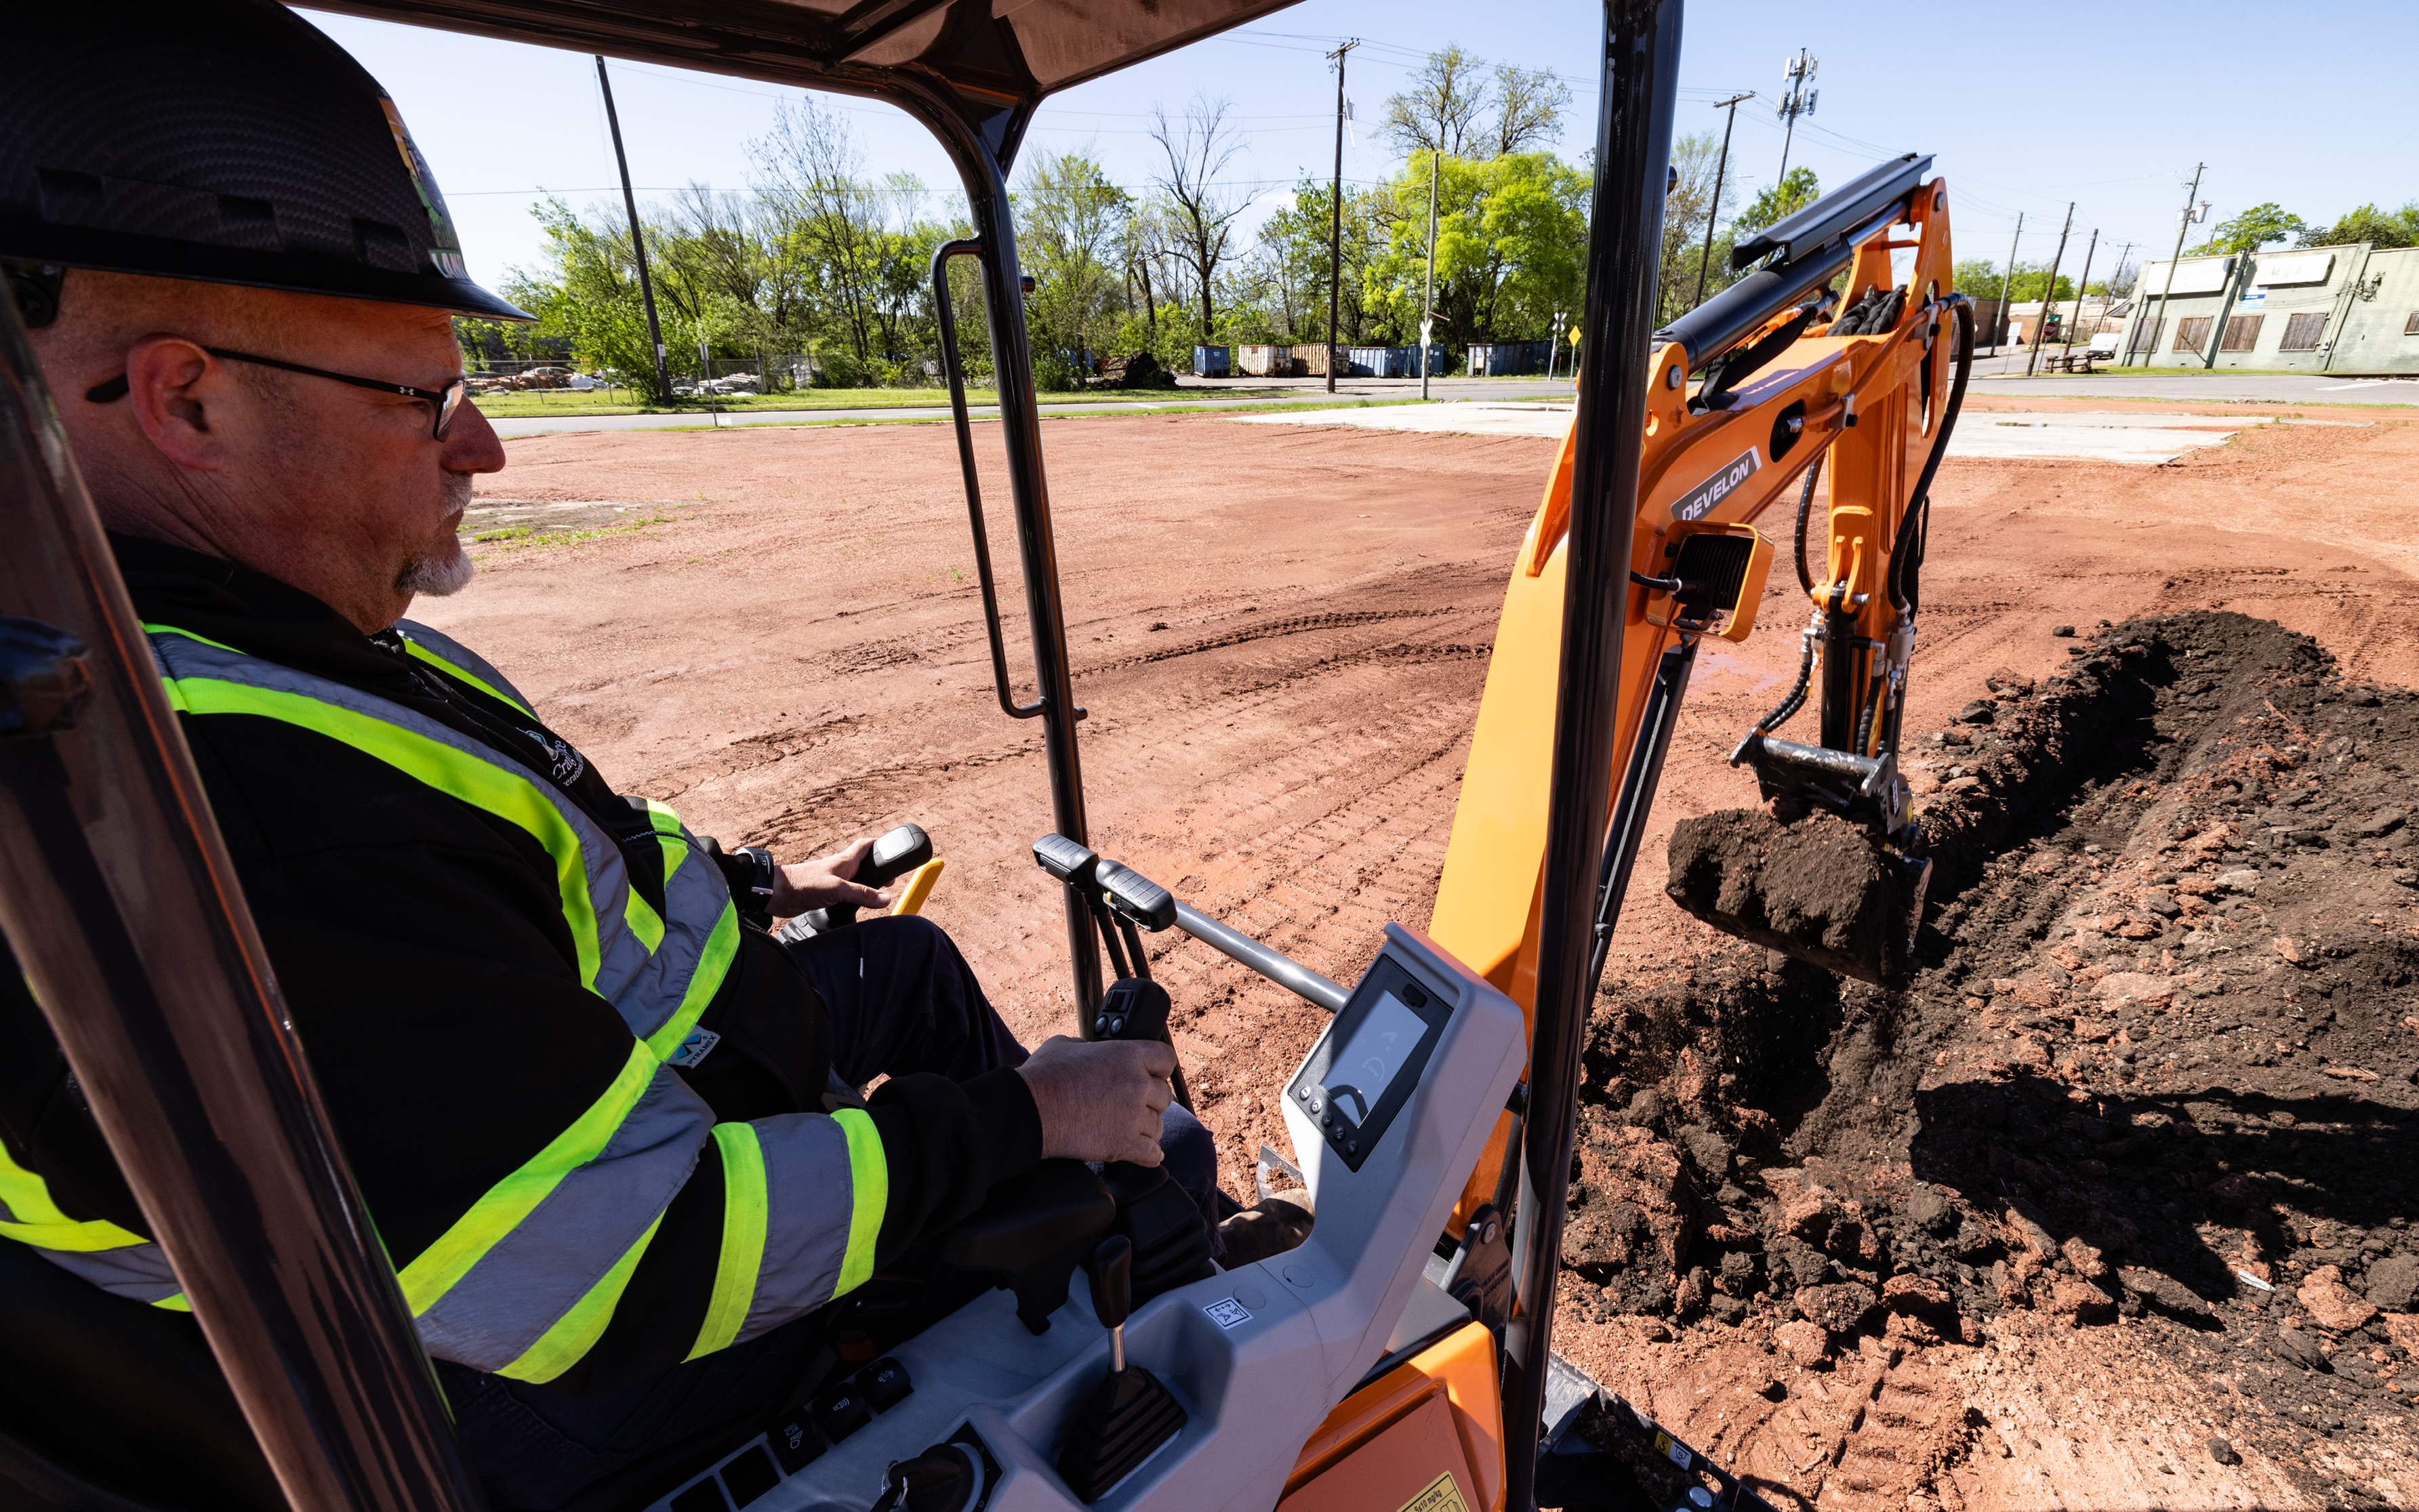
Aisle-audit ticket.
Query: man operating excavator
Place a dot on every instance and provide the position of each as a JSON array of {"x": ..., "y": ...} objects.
[{"x": 579, "y": 1082}]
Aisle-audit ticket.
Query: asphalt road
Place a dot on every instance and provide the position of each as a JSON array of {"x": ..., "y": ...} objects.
[
  {"x": 2006, "y": 374},
  {"x": 1297, "y": 391}
]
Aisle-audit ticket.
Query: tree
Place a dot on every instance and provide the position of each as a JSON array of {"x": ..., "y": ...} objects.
[
  {"x": 2253, "y": 229},
  {"x": 1797, "y": 189},
  {"x": 1440, "y": 109},
  {"x": 1201, "y": 214},
  {"x": 1529, "y": 105},
  {"x": 1511, "y": 247},
  {"x": 1071, "y": 224},
  {"x": 1686, "y": 209},
  {"x": 807, "y": 173},
  {"x": 2384, "y": 229},
  {"x": 1454, "y": 106}
]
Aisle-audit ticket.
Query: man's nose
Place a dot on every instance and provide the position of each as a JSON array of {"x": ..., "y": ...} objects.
[{"x": 471, "y": 445}]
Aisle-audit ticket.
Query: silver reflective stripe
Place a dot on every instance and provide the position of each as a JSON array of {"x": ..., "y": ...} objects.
[
  {"x": 646, "y": 989},
  {"x": 807, "y": 1196},
  {"x": 547, "y": 1262},
  {"x": 462, "y": 657},
  {"x": 139, "y": 1273}
]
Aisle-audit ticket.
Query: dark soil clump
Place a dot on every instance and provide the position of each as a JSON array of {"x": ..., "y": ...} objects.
[
  {"x": 1816, "y": 887},
  {"x": 2153, "y": 1069}
]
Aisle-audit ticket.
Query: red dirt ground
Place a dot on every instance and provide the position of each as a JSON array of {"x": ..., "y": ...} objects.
[{"x": 1281, "y": 635}]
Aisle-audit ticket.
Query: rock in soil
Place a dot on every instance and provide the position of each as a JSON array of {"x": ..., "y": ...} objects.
[{"x": 2160, "y": 1032}]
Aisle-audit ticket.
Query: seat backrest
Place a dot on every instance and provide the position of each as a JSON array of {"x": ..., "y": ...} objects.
[{"x": 101, "y": 1398}]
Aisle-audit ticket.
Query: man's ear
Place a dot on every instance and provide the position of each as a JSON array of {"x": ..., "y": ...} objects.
[{"x": 180, "y": 396}]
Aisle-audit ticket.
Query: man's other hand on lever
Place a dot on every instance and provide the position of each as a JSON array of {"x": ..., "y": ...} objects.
[
  {"x": 1100, "y": 1099},
  {"x": 807, "y": 885}
]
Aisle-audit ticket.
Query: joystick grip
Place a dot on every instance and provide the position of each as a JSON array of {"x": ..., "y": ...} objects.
[{"x": 1110, "y": 1268}]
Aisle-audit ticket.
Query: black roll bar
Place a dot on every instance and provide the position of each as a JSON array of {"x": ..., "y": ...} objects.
[
  {"x": 954, "y": 371},
  {"x": 125, "y": 913},
  {"x": 981, "y": 168},
  {"x": 1642, "y": 64}
]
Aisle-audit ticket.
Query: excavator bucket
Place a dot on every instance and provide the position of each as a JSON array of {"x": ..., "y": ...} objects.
[{"x": 1816, "y": 887}]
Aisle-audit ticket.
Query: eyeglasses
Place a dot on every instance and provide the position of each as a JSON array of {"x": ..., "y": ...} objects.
[{"x": 447, "y": 399}]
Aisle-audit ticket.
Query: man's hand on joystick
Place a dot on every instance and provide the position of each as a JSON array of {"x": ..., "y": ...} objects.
[
  {"x": 1100, "y": 1100},
  {"x": 822, "y": 882}
]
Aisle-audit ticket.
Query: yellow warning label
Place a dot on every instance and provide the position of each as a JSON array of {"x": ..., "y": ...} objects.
[{"x": 1443, "y": 1495}]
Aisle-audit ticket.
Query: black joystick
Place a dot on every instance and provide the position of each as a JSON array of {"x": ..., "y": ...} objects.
[
  {"x": 896, "y": 854},
  {"x": 1130, "y": 1414}
]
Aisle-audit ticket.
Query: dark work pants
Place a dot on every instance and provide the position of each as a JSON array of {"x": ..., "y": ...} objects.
[{"x": 901, "y": 999}]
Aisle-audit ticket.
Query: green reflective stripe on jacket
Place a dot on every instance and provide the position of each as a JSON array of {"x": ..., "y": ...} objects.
[
  {"x": 714, "y": 963},
  {"x": 464, "y": 674},
  {"x": 502, "y": 1206},
  {"x": 170, "y": 630},
  {"x": 28, "y": 1216},
  {"x": 577, "y": 1332},
  {"x": 482, "y": 784},
  {"x": 744, "y": 1212},
  {"x": 868, "y": 1174}
]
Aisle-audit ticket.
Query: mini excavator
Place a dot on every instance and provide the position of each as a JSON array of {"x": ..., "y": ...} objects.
[{"x": 1399, "y": 1357}]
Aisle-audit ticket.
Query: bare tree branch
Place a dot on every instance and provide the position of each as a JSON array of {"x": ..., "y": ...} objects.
[
  {"x": 1442, "y": 106},
  {"x": 1198, "y": 153},
  {"x": 1529, "y": 105}
]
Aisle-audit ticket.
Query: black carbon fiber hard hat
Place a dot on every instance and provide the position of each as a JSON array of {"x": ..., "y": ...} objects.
[{"x": 227, "y": 141}]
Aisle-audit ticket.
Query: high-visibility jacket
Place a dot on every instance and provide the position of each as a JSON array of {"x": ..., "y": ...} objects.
[{"x": 580, "y": 1095}]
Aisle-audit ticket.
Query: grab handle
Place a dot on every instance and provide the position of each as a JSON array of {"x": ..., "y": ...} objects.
[{"x": 968, "y": 247}]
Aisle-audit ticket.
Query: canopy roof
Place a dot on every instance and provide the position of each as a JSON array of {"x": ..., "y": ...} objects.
[{"x": 987, "y": 62}]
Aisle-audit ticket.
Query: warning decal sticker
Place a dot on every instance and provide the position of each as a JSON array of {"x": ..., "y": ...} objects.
[{"x": 1443, "y": 1495}]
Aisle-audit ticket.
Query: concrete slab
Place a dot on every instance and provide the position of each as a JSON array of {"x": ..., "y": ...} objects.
[{"x": 2144, "y": 439}]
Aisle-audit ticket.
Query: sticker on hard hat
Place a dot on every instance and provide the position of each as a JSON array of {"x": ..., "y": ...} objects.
[
  {"x": 1702, "y": 498},
  {"x": 439, "y": 225},
  {"x": 1443, "y": 1495}
]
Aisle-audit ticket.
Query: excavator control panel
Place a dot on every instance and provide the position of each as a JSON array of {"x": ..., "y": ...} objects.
[{"x": 1420, "y": 1062}]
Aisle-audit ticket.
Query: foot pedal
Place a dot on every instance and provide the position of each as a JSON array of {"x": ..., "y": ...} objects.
[{"x": 1864, "y": 790}]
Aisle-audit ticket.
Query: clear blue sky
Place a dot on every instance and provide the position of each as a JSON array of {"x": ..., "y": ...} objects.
[{"x": 2306, "y": 108}]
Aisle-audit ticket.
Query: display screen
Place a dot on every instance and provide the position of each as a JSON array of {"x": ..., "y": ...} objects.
[{"x": 1362, "y": 1070}]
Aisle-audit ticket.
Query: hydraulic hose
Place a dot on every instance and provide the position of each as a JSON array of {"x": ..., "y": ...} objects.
[
  {"x": 1906, "y": 552},
  {"x": 1805, "y": 508}
]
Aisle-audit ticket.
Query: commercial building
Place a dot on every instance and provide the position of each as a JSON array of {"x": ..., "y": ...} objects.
[{"x": 2348, "y": 309}]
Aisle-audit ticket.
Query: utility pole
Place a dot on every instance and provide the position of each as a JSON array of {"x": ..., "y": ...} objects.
[
  {"x": 2183, "y": 225},
  {"x": 2007, "y": 287},
  {"x": 1335, "y": 224},
  {"x": 1714, "y": 210},
  {"x": 1795, "y": 100},
  {"x": 1427, "y": 300},
  {"x": 638, "y": 239},
  {"x": 2049, "y": 290},
  {"x": 2079, "y": 284}
]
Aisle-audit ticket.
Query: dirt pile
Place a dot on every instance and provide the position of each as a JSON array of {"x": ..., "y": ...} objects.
[{"x": 2153, "y": 1073}]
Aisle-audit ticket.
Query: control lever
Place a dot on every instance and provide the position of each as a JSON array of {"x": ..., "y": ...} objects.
[
  {"x": 896, "y": 854},
  {"x": 1130, "y": 1414},
  {"x": 1137, "y": 1007},
  {"x": 1111, "y": 1270}
]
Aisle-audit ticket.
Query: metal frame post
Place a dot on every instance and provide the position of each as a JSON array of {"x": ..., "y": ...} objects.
[
  {"x": 126, "y": 914},
  {"x": 981, "y": 153},
  {"x": 1642, "y": 64},
  {"x": 637, "y": 238}
]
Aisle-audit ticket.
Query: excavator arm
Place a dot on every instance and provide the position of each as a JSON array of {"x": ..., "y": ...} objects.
[{"x": 1782, "y": 382}]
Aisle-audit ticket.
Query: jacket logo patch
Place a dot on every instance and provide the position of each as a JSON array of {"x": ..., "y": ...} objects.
[{"x": 698, "y": 1045}]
